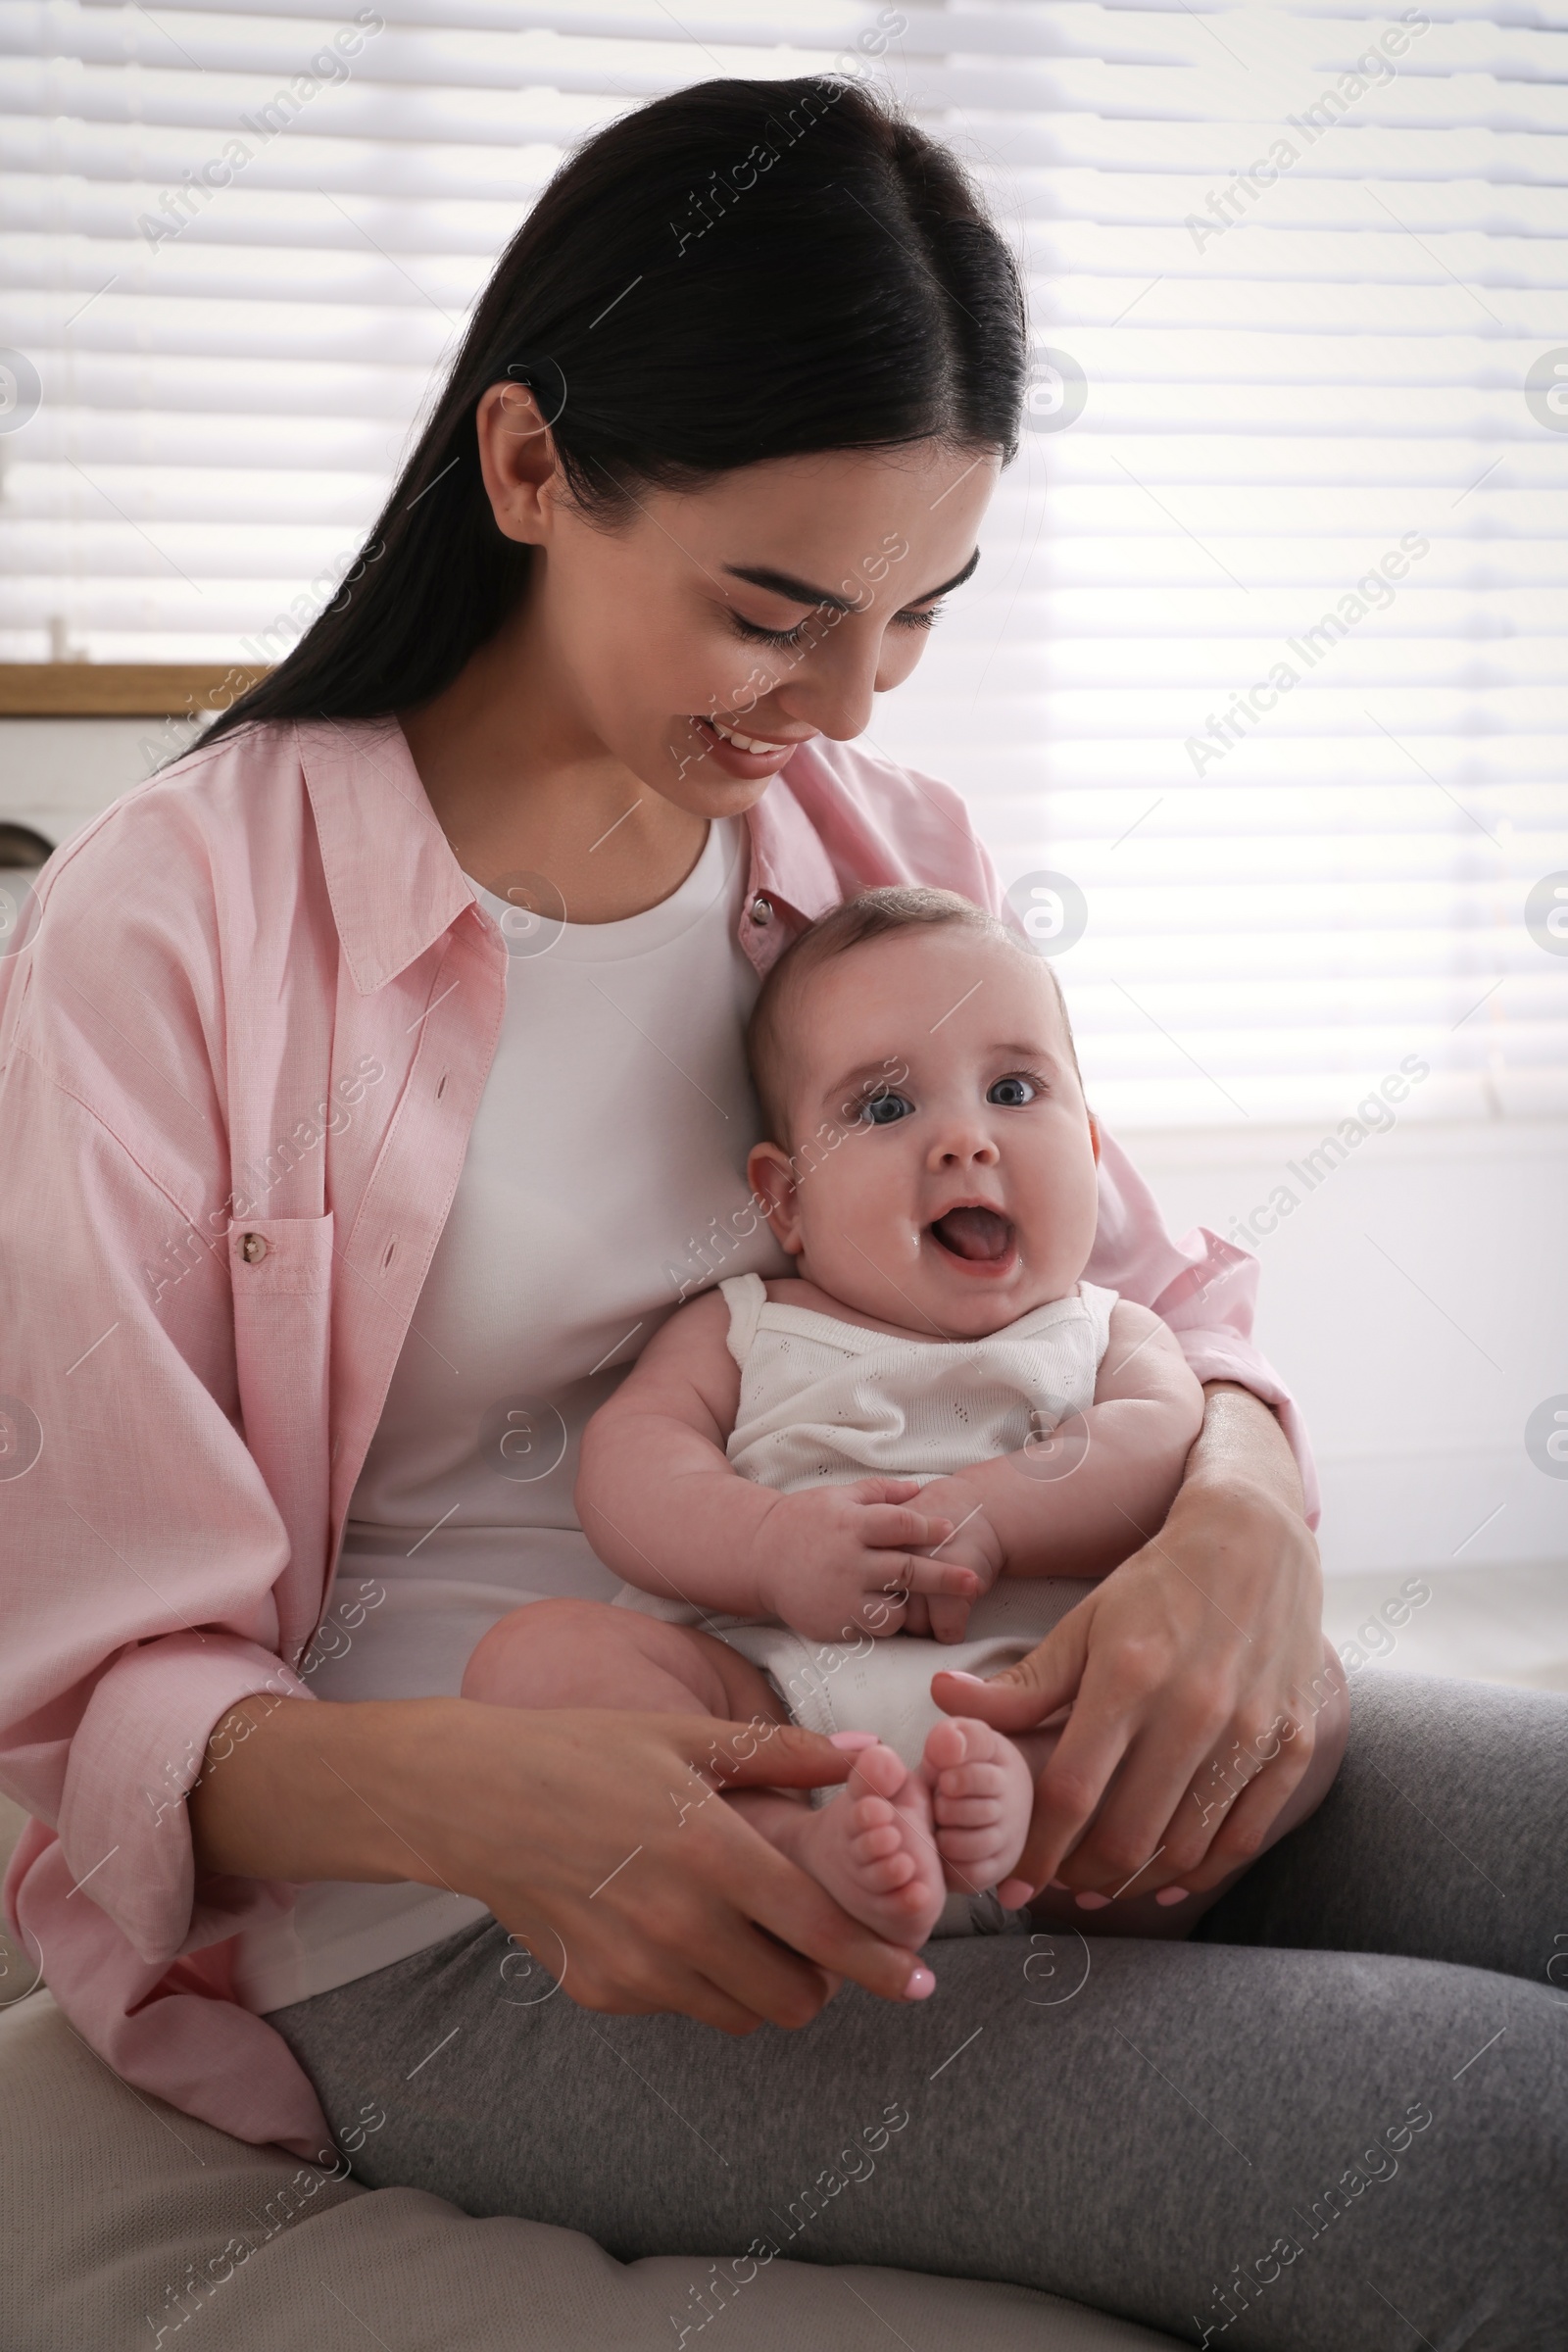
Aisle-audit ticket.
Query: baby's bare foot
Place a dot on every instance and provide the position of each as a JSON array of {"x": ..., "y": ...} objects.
[
  {"x": 872, "y": 1848},
  {"x": 982, "y": 1795}
]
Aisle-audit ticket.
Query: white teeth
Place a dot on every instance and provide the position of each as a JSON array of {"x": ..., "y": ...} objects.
[{"x": 745, "y": 743}]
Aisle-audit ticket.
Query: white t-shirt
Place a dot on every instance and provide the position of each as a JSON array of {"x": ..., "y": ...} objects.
[{"x": 606, "y": 1172}]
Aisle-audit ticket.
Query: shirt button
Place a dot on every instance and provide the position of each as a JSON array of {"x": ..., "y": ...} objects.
[
  {"x": 253, "y": 1248},
  {"x": 762, "y": 911}
]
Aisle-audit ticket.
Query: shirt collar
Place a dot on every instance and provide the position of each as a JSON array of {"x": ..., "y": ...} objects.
[
  {"x": 789, "y": 863},
  {"x": 392, "y": 879},
  {"x": 395, "y": 885}
]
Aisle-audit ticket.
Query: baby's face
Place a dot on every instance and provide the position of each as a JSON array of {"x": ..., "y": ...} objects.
[{"x": 951, "y": 1186}]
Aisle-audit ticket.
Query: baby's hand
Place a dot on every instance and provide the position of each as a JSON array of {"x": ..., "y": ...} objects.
[
  {"x": 835, "y": 1562},
  {"x": 972, "y": 1544}
]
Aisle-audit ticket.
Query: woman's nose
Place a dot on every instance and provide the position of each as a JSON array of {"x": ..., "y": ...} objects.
[{"x": 835, "y": 688}]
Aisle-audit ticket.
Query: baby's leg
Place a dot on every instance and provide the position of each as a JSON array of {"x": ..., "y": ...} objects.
[
  {"x": 585, "y": 1654},
  {"x": 871, "y": 1847}
]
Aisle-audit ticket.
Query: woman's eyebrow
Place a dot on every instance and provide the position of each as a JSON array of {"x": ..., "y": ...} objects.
[{"x": 801, "y": 592}]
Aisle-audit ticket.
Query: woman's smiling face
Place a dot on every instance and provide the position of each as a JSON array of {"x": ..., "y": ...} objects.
[{"x": 770, "y": 605}]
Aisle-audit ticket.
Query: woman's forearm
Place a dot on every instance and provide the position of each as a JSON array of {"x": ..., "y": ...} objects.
[
  {"x": 1242, "y": 1445},
  {"x": 541, "y": 1816},
  {"x": 299, "y": 1789}
]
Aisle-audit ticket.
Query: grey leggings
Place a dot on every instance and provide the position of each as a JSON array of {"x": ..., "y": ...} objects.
[{"x": 1336, "y": 2121}]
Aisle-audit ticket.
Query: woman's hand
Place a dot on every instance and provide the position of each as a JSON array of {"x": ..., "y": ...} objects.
[
  {"x": 598, "y": 1839},
  {"x": 643, "y": 1890},
  {"x": 1184, "y": 1671}
]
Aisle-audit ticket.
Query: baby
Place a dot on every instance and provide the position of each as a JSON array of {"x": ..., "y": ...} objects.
[{"x": 935, "y": 1431}]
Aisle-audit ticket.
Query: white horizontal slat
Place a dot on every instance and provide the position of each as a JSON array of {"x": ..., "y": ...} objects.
[
  {"x": 1181, "y": 477},
  {"x": 1268, "y": 762},
  {"x": 1068, "y": 165},
  {"x": 347, "y": 266},
  {"x": 413, "y": 334},
  {"x": 1132, "y": 149},
  {"x": 93, "y": 389}
]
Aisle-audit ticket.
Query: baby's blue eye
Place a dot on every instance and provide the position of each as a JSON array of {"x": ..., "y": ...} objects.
[
  {"x": 1012, "y": 1093},
  {"x": 883, "y": 1110}
]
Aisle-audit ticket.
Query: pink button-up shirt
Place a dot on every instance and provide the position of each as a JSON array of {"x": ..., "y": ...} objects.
[{"x": 243, "y": 1037}]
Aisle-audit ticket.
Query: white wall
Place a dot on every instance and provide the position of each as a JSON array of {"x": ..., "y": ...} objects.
[
  {"x": 55, "y": 774},
  {"x": 1417, "y": 1302},
  {"x": 1416, "y": 1299}
]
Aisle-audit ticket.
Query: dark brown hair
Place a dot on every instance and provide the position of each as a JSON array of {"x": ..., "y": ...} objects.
[{"x": 738, "y": 272}]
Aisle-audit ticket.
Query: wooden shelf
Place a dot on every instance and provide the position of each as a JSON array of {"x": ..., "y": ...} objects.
[{"x": 119, "y": 689}]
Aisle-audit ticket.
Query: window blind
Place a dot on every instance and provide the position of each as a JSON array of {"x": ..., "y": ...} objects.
[{"x": 1258, "y": 694}]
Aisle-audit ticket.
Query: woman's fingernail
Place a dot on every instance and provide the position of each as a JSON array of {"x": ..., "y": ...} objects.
[
  {"x": 921, "y": 1986},
  {"x": 1171, "y": 1894},
  {"x": 1094, "y": 1902},
  {"x": 1057, "y": 1885},
  {"x": 959, "y": 1676},
  {"x": 851, "y": 1740}
]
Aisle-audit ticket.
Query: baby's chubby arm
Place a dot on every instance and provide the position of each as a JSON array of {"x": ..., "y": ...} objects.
[
  {"x": 1080, "y": 1502},
  {"x": 661, "y": 1504}
]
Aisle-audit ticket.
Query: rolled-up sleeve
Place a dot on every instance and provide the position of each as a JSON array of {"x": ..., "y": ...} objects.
[{"x": 1204, "y": 1288}]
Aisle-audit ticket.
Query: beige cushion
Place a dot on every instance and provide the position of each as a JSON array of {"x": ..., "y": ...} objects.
[{"x": 111, "y": 2200}]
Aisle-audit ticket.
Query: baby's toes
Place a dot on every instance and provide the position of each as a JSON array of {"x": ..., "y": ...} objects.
[
  {"x": 870, "y": 1840},
  {"x": 980, "y": 1779},
  {"x": 878, "y": 1773},
  {"x": 968, "y": 1813},
  {"x": 975, "y": 1794},
  {"x": 946, "y": 1743},
  {"x": 981, "y": 1806},
  {"x": 879, "y": 1854},
  {"x": 979, "y": 1844},
  {"x": 888, "y": 1874}
]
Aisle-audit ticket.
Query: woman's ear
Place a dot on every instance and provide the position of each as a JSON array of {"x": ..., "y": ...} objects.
[
  {"x": 518, "y": 459},
  {"x": 772, "y": 1181}
]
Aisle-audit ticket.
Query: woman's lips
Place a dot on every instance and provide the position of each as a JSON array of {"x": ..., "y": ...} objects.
[
  {"x": 727, "y": 754},
  {"x": 976, "y": 1237}
]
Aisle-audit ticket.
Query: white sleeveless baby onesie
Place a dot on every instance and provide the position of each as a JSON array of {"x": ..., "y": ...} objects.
[{"x": 824, "y": 1402}]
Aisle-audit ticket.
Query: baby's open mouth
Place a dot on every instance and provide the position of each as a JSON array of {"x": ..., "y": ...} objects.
[{"x": 977, "y": 1234}]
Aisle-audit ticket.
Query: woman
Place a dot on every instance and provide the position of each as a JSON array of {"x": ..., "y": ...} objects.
[{"x": 372, "y": 1090}]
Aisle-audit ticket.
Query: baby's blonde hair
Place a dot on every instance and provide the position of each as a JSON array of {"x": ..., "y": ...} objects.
[{"x": 869, "y": 914}]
